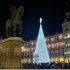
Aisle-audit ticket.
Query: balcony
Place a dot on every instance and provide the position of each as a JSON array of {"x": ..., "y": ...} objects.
[{"x": 67, "y": 53}]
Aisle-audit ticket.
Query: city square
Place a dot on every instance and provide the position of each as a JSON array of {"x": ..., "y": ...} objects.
[{"x": 35, "y": 35}]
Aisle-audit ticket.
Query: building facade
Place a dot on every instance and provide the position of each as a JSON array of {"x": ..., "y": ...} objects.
[
  {"x": 55, "y": 45},
  {"x": 59, "y": 44},
  {"x": 67, "y": 47},
  {"x": 28, "y": 49},
  {"x": 66, "y": 31}
]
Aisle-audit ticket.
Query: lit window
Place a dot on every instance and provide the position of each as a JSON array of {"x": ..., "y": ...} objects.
[
  {"x": 52, "y": 39},
  {"x": 48, "y": 45},
  {"x": 24, "y": 60},
  {"x": 56, "y": 59},
  {"x": 52, "y": 45},
  {"x": 60, "y": 37},
  {"x": 69, "y": 60},
  {"x": 68, "y": 44},
  {"x": 32, "y": 48},
  {"x": 61, "y": 59},
  {"x": 66, "y": 60},
  {"x": 24, "y": 49},
  {"x": 29, "y": 60},
  {"x": 56, "y": 45},
  {"x": 67, "y": 36},
  {"x": 52, "y": 59},
  {"x": 61, "y": 44},
  {"x": 32, "y": 43}
]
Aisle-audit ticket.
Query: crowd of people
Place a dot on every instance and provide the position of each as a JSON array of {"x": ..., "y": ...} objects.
[{"x": 46, "y": 66}]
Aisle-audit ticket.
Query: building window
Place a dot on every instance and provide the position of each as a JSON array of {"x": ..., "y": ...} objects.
[
  {"x": 52, "y": 39},
  {"x": 56, "y": 51},
  {"x": 68, "y": 44},
  {"x": 66, "y": 60},
  {"x": 32, "y": 48},
  {"x": 61, "y": 59},
  {"x": 48, "y": 46},
  {"x": 61, "y": 44},
  {"x": 67, "y": 50},
  {"x": 56, "y": 38},
  {"x": 56, "y": 59},
  {"x": 56, "y": 45},
  {"x": 69, "y": 60},
  {"x": 52, "y": 45},
  {"x": 60, "y": 37},
  {"x": 32, "y": 43},
  {"x": 52, "y": 52},
  {"x": 24, "y": 60},
  {"x": 29, "y": 60},
  {"x": 67, "y": 36},
  {"x": 52, "y": 59},
  {"x": 24, "y": 49},
  {"x": 60, "y": 51}
]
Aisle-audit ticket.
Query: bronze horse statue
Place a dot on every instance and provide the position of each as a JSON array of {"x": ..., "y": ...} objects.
[{"x": 14, "y": 20}]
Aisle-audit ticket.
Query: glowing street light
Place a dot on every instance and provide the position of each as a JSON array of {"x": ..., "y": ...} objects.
[{"x": 24, "y": 49}]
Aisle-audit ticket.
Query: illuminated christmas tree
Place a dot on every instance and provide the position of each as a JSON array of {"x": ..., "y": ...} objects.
[{"x": 41, "y": 47}]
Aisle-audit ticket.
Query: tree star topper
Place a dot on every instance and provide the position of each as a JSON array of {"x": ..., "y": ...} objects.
[{"x": 40, "y": 20}]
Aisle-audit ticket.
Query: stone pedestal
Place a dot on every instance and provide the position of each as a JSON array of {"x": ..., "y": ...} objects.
[{"x": 10, "y": 53}]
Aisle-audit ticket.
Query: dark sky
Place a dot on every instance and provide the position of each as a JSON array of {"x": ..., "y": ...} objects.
[{"x": 52, "y": 12}]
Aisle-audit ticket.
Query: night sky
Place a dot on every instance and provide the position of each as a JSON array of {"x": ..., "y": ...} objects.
[{"x": 52, "y": 12}]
